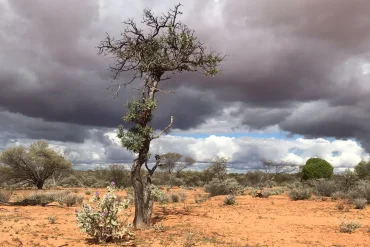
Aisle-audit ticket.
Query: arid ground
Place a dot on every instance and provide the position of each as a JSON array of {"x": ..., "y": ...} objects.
[{"x": 274, "y": 221}]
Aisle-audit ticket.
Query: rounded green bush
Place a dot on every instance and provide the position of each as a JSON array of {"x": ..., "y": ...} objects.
[{"x": 316, "y": 168}]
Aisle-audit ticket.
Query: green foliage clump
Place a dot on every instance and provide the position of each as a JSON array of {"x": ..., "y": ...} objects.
[
  {"x": 316, "y": 168},
  {"x": 300, "y": 193},
  {"x": 362, "y": 169},
  {"x": 223, "y": 187},
  {"x": 229, "y": 200},
  {"x": 159, "y": 195},
  {"x": 101, "y": 220}
]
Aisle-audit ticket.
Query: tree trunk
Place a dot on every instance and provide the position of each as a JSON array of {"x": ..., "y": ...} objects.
[
  {"x": 140, "y": 220},
  {"x": 40, "y": 184}
]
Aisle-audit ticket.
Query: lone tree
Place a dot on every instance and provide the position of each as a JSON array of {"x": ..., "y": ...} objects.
[
  {"x": 33, "y": 165},
  {"x": 168, "y": 46},
  {"x": 317, "y": 168},
  {"x": 218, "y": 168},
  {"x": 173, "y": 163}
]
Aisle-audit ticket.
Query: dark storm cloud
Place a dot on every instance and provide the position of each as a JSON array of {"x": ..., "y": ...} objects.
[{"x": 281, "y": 55}]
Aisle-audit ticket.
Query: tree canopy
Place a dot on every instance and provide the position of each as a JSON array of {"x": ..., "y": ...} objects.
[{"x": 33, "y": 165}]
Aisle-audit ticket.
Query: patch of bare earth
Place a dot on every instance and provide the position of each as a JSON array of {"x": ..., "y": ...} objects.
[{"x": 275, "y": 221}]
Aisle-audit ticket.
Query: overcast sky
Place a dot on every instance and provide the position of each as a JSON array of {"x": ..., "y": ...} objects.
[{"x": 294, "y": 84}]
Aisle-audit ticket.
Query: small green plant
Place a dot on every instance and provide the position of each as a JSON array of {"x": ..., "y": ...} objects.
[
  {"x": 160, "y": 227},
  {"x": 360, "y": 203},
  {"x": 229, "y": 200},
  {"x": 5, "y": 195},
  {"x": 101, "y": 220},
  {"x": 52, "y": 219},
  {"x": 87, "y": 192},
  {"x": 300, "y": 193},
  {"x": 349, "y": 226},
  {"x": 160, "y": 196}
]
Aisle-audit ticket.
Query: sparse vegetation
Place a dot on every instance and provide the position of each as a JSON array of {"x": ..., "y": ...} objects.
[
  {"x": 300, "y": 193},
  {"x": 349, "y": 226},
  {"x": 229, "y": 200},
  {"x": 5, "y": 195},
  {"x": 360, "y": 203}
]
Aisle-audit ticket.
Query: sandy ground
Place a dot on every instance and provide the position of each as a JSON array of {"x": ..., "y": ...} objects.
[{"x": 275, "y": 221}]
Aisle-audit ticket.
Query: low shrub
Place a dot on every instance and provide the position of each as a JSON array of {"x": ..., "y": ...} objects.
[
  {"x": 42, "y": 198},
  {"x": 70, "y": 200},
  {"x": 5, "y": 195},
  {"x": 300, "y": 193},
  {"x": 174, "y": 197},
  {"x": 360, "y": 190},
  {"x": 349, "y": 227},
  {"x": 159, "y": 195},
  {"x": 52, "y": 219},
  {"x": 325, "y": 188},
  {"x": 182, "y": 196},
  {"x": 229, "y": 200},
  {"x": 276, "y": 191},
  {"x": 200, "y": 198},
  {"x": 360, "y": 203},
  {"x": 338, "y": 195},
  {"x": 101, "y": 221},
  {"x": 223, "y": 187}
]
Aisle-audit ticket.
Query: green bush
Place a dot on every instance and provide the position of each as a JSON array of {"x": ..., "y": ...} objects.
[
  {"x": 5, "y": 195},
  {"x": 326, "y": 188},
  {"x": 316, "y": 168},
  {"x": 223, "y": 187},
  {"x": 229, "y": 200},
  {"x": 159, "y": 195},
  {"x": 101, "y": 221},
  {"x": 300, "y": 193}
]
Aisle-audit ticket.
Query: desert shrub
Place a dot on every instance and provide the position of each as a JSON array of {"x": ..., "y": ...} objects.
[
  {"x": 349, "y": 227},
  {"x": 71, "y": 181},
  {"x": 340, "y": 206},
  {"x": 229, "y": 200},
  {"x": 174, "y": 197},
  {"x": 182, "y": 196},
  {"x": 160, "y": 196},
  {"x": 360, "y": 190},
  {"x": 300, "y": 193},
  {"x": 360, "y": 203},
  {"x": 265, "y": 193},
  {"x": 5, "y": 195},
  {"x": 223, "y": 187},
  {"x": 252, "y": 192},
  {"x": 200, "y": 198},
  {"x": 52, "y": 219},
  {"x": 338, "y": 195},
  {"x": 42, "y": 198},
  {"x": 87, "y": 192},
  {"x": 101, "y": 221},
  {"x": 325, "y": 188},
  {"x": 70, "y": 200},
  {"x": 276, "y": 191},
  {"x": 316, "y": 168},
  {"x": 347, "y": 179},
  {"x": 177, "y": 182}
]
